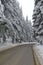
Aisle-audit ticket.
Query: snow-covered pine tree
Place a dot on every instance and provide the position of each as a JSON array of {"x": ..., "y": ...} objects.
[
  {"x": 18, "y": 28},
  {"x": 38, "y": 20},
  {"x": 28, "y": 29},
  {"x": 5, "y": 24}
]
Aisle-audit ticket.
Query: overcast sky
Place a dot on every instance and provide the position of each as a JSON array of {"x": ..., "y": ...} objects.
[{"x": 27, "y": 7}]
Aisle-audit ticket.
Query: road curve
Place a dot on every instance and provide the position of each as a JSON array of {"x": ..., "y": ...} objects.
[{"x": 20, "y": 55}]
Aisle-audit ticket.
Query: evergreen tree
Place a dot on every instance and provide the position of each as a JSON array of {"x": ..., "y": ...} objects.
[
  {"x": 19, "y": 29},
  {"x": 38, "y": 20}
]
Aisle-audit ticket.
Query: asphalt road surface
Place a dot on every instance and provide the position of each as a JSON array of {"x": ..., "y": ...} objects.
[{"x": 21, "y": 55}]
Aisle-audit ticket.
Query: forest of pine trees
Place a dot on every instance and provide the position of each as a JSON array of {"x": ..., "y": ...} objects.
[
  {"x": 12, "y": 23},
  {"x": 38, "y": 21}
]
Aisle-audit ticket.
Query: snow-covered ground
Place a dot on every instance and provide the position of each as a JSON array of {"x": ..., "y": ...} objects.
[
  {"x": 8, "y": 44},
  {"x": 38, "y": 49}
]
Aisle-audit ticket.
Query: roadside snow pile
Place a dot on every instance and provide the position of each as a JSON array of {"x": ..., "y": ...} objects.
[
  {"x": 38, "y": 54},
  {"x": 6, "y": 46},
  {"x": 40, "y": 50}
]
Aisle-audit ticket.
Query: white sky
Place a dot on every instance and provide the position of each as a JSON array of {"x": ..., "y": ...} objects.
[{"x": 27, "y": 7}]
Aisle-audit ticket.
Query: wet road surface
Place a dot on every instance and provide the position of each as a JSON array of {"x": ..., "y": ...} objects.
[{"x": 21, "y": 55}]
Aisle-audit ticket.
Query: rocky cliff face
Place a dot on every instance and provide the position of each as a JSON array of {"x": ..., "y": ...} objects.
[{"x": 12, "y": 15}]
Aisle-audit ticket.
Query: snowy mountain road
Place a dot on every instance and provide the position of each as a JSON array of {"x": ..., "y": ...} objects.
[{"x": 20, "y": 55}]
